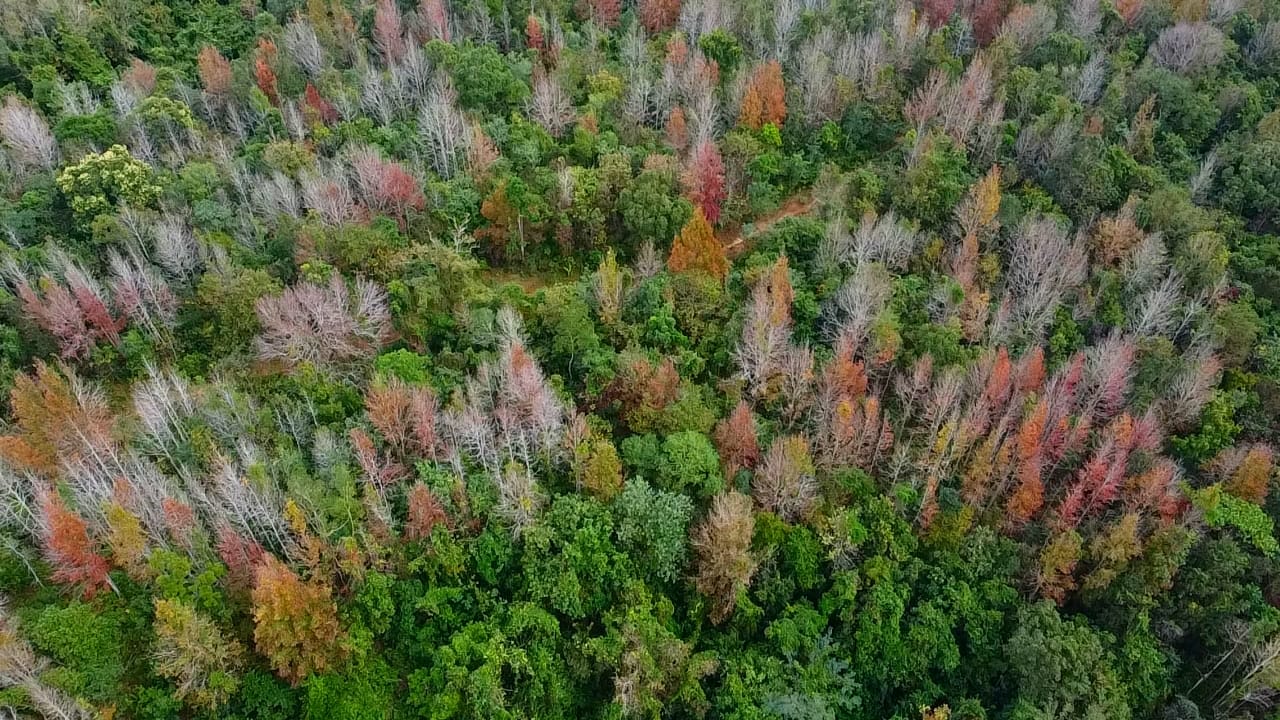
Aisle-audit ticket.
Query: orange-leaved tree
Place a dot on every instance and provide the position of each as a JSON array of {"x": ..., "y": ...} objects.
[
  {"x": 697, "y": 249},
  {"x": 295, "y": 622}
]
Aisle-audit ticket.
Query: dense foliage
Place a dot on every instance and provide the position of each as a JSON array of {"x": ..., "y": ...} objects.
[{"x": 721, "y": 359}]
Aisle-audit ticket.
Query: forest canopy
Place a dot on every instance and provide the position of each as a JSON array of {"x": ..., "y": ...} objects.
[{"x": 611, "y": 359}]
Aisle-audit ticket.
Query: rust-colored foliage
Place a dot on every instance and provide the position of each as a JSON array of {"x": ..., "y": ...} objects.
[
  {"x": 986, "y": 17},
  {"x": 295, "y": 622},
  {"x": 1129, "y": 10},
  {"x": 69, "y": 550},
  {"x": 1250, "y": 478},
  {"x": 604, "y": 13},
  {"x": 737, "y": 440},
  {"x": 659, "y": 15},
  {"x": 425, "y": 512},
  {"x": 1115, "y": 237},
  {"x": 214, "y": 71},
  {"x": 533, "y": 33},
  {"x": 677, "y": 129},
  {"x": 765, "y": 101},
  {"x": 643, "y": 389},
  {"x": 54, "y": 423},
  {"x": 938, "y": 12},
  {"x": 696, "y": 249},
  {"x": 140, "y": 77},
  {"x": 322, "y": 109},
  {"x": 263, "y": 72}
]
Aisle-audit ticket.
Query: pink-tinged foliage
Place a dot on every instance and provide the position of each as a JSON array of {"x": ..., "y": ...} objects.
[
  {"x": 242, "y": 556},
  {"x": 181, "y": 522},
  {"x": 386, "y": 186},
  {"x": 381, "y": 472},
  {"x": 784, "y": 483},
  {"x": 388, "y": 31},
  {"x": 705, "y": 180},
  {"x": 509, "y": 413},
  {"x": 938, "y": 12},
  {"x": 323, "y": 324},
  {"x": 435, "y": 19}
]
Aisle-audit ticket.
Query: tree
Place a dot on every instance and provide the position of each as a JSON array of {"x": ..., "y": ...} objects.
[
  {"x": 653, "y": 669},
  {"x": 295, "y": 622},
  {"x": 101, "y": 181},
  {"x": 704, "y": 180},
  {"x": 690, "y": 464},
  {"x": 323, "y": 324},
  {"x": 570, "y": 562},
  {"x": 27, "y": 135},
  {"x": 737, "y": 441},
  {"x": 214, "y": 71},
  {"x": 68, "y": 548},
  {"x": 193, "y": 652},
  {"x": 659, "y": 15},
  {"x": 784, "y": 483},
  {"x": 722, "y": 543},
  {"x": 765, "y": 99},
  {"x": 696, "y": 248},
  {"x": 1061, "y": 666},
  {"x": 653, "y": 529}
]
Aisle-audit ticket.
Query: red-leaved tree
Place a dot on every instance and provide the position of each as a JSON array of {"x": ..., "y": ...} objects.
[{"x": 69, "y": 550}]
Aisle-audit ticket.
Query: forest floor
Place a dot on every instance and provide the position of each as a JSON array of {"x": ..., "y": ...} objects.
[
  {"x": 530, "y": 282},
  {"x": 735, "y": 240}
]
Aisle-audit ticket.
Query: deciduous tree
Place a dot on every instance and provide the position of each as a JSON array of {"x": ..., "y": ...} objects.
[{"x": 295, "y": 622}]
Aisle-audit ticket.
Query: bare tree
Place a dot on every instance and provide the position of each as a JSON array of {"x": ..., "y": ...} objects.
[
  {"x": 326, "y": 191},
  {"x": 175, "y": 246},
  {"x": 1084, "y": 17},
  {"x": 549, "y": 106},
  {"x": 303, "y": 46},
  {"x": 27, "y": 135},
  {"x": 784, "y": 482},
  {"x": 1153, "y": 314},
  {"x": 1265, "y": 43},
  {"x": 1045, "y": 263},
  {"x": 324, "y": 324},
  {"x": 1188, "y": 48},
  {"x": 1090, "y": 78},
  {"x": 858, "y": 303},
  {"x": 1202, "y": 181},
  {"x": 443, "y": 126}
]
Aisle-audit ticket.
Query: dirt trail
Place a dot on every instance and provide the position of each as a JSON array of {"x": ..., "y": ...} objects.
[{"x": 735, "y": 241}]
